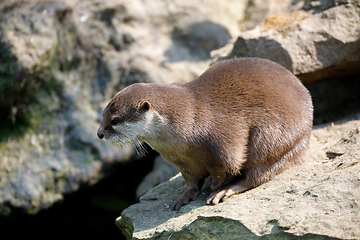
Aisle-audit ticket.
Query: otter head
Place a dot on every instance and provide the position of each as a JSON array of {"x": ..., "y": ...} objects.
[{"x": 129, "y": 116}]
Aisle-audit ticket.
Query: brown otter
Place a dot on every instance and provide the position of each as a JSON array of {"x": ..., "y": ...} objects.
[{"x": 249, "y": 118}]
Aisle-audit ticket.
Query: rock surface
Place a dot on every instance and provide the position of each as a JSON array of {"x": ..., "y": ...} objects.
[
  {"x": 312, "y": 46},
  {"x": 62, "y": 61},
  {"x": 318, "y": 200}
]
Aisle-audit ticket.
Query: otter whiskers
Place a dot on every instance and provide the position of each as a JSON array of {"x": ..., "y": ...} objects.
[
  {"x": 137, "y": 144},
  {"x": 140, "y": 148}
]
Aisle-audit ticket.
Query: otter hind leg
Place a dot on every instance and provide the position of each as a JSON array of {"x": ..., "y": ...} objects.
[
  {"x": 295, "y": 156},
  {"x": 255, "y": 176}
]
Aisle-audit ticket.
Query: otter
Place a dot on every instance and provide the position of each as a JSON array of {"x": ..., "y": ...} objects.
[{"x": 245, "y": 119}]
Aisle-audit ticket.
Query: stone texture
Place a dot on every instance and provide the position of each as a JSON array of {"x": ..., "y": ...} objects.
[
  {"x": 318, "y": 200},
  {"x": 314, "y": 45}
]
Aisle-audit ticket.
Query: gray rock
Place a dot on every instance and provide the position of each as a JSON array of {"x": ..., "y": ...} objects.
[
  {"x": 258, "y": 10},
  {"x": 318, "y": 200},
  {"x": 312, "y": 46}
]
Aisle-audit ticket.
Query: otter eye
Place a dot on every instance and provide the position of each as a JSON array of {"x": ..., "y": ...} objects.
[{"x": 114, "y": 122}]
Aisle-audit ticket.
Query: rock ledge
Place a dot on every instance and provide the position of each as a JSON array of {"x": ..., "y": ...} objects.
[{"x": 318, "y": 200}]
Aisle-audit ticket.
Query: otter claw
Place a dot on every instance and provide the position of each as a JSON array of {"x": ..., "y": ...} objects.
[
  {"x": 227, "y": 191},
  {"x": 185, "y": 198},
  {"x": 216, "y": 197}
]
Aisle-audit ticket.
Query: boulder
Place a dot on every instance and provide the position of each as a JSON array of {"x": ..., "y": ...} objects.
[
  {"x": 258, "y": 10},
  {"x": 314, "y": 45},
  {"x": 318, "y": 200},
  {"x": 62, "y": 61}
]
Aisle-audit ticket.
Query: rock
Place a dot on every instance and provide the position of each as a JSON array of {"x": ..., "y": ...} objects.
[
  {"x": 62, "y": 61},
  {"x": 44, "y": 87},
  {"x": 312, "y": 46},
  {"x": 258, "y": 10},
  {"x": 318, "y": 200},
  {"x": 161, "y": 172},
  {"x": 173, "y": 46}
]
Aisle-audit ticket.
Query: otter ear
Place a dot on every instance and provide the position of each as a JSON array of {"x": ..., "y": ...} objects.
[{"x": 145, "y": 105}]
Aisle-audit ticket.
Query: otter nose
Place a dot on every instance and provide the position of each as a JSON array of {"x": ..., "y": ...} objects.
[{"x": 100, "y": 135}]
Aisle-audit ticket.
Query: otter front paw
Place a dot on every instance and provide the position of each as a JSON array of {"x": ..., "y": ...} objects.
[{"x": 185, "y": 198}]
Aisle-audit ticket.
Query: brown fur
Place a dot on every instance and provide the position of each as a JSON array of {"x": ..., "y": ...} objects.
[{"x": 248, "y": 117}]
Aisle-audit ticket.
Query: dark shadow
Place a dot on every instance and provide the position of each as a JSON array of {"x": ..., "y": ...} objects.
[
  {"x": 278, "y": 53},
  {"x": 335, "y": 98},
  {"x": 196, "y": 42},
  {"x": 204, "y": 226},
  {"x": 88, "y": 213},
  {"x": 262, "y": 48}
]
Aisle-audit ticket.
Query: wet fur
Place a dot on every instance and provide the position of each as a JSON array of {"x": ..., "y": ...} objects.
[{"x": 246, "y": 117}]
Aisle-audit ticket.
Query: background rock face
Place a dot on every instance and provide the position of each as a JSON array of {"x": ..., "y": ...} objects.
[
  {"x": 313, "y": 46},
  {"x": 62, "y": 61}
]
